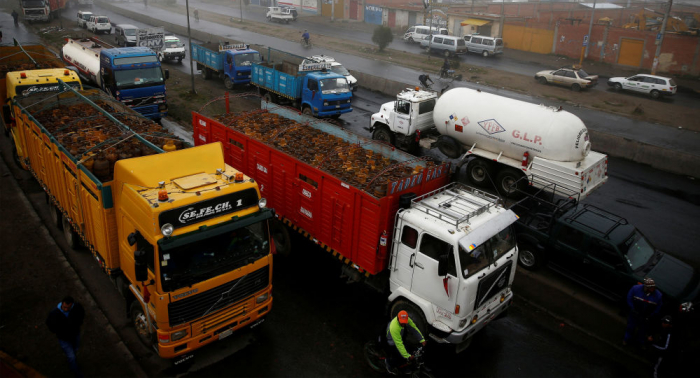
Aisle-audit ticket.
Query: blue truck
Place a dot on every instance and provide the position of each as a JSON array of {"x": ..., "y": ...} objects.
[
  {"x": 310, "y": 87},
  {"x": 230, "y": 63},
  {"x": 132, "y": 75}
]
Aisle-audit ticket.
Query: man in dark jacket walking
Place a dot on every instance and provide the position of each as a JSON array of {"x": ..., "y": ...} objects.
[
  {"x": 65, "y": 321},
  {"x": 644, "y": 302}
]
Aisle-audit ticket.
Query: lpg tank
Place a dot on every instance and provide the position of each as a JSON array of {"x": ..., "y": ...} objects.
[
  {"x": 500, "y": 124},
  {"x": 87, "y": 61}
]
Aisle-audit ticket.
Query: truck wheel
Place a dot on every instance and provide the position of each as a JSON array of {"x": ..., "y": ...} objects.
[
  {"x": 56, "y": 216},
  {"x": 542, "y": 80},
  {"x": 207, "y": 73},
  {"x": 576, "y": 87},
  {"x": 228, "y": 83},
  {"x": 269, "y": 98},
  {"x": 280, "y": 235},
  {"x": 72, "y": 237},
  {"x": 478, "y": 172},
  {"x": 529, "y": 257},
  {"x": 506, "y": 179},
  {"x": 140, "y": 323},
  {"x": 413, "y": 312},
  {"x": 307, "y": 111},
  {"x": 449, "y": 147},
  {"x": 382, "y": 134}
]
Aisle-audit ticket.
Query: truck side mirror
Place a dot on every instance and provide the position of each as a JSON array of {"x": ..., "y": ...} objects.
[
  {"x": 167, "y": 74},
  {"x": 132, "y": 238},
  {"x": 443, "y": 262},
  {"x": 140, "y": 265}
]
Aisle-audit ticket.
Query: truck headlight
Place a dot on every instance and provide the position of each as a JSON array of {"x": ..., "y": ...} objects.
[
  {"x": 462, "y": 322},
  {"x": 325, "y": 104},
  {"x": 167, "y": 229},
  {"x": 178, "y": 335},
  {"x": 262, "y": 203},
  {"x": 261, "y": 298}
]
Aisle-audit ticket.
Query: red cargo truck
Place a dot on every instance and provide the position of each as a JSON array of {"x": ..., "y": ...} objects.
[
  {"x": 42, "y": 10},
  {"x": 391, "y": 229}
]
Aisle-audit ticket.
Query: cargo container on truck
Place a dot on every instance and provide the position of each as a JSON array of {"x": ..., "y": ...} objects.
[
  {"x": 41, "y": 10},
  {"x": 183, "y": 236},
  {"x": 308, "y": 86},
  {"x": 504, "y": 142},
  {"x": 393, "y": 220},
  {"x": 228, "y": 62},
  {"x": 132, "y": 75}
]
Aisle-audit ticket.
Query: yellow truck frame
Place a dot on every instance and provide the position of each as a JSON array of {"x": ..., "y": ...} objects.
[{"x": 184, "y": 237}]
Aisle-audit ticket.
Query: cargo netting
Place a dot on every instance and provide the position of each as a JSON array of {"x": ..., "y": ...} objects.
[
  {"x": 17, "y": 60},
  {"x": 91, "y": 137}
]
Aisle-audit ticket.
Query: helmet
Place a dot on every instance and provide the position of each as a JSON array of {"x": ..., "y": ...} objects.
[
  {"x": 649, "y": 282},
  {"x": 403, "y": 317}
]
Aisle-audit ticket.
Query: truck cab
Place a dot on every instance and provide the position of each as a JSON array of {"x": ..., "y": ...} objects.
[
  {"x": 400, "y": 122},
  {"x": 325, "y": 94},
  {"x": 134, "y": 76},
  {"x": 336, "y": 67},
  {"x": 238, "y": 61},
  {"x": 172, "y": 49},
  {"x": 453, "y": 262}
]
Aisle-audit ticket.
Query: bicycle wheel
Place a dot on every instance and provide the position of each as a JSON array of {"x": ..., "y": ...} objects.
[{"x": 374, "y": 356}]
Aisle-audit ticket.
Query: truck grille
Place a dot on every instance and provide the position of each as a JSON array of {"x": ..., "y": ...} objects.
[
  {"x": 338, "y": 102},
  {"x": 493, "y": 284},
  {"x": 212, "y": 300},
  {"x": 31, "y": 12}
]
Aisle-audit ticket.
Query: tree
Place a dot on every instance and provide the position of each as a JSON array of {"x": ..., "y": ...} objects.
[{"x": 382, "y": 37}]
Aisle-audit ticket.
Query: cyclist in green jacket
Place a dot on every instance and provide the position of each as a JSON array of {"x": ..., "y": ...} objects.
[{"x": 400, "y": 330}]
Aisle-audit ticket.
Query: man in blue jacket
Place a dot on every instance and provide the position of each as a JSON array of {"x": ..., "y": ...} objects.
[
  {"x": 65, "y": 321},
  {"x": 399, "y": 330},
  {"x": 644, "y": 302}
]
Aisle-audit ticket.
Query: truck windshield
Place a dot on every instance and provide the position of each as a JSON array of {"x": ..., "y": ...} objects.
[
  {"x": 32, "y": 4},
  {"x": 28, "y": 90},
  {"x": 340, "y": 70},
  {"x": 639, "y": 250},
  {"x": 172, "y": 44},
  {"x": 487, "y": 253},
  {"x": 338, "y": 85},
  {"x": 204, "y": 259},
  {"x": 130, "y": 32},
  {"x": 246, "y": 59},
  {"x": 141, "y": 77},
  {"x": 102, "y": 20}
]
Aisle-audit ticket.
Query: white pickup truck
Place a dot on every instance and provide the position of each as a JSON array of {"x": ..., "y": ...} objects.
[{"x": 279, "y": 14}]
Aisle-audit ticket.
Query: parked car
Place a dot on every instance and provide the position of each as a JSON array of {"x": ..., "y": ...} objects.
[
  {"x": 574, "y": 78},
  {"x": 336, "y": 67},
  {"x": 417, "y": 33},
  {"x": 279, "y": 14},
  {"x": 83, "y": 17},
  {"x": 292, "y": 10},
  {"x": 655, "y": 86},
  {"x": 99, "y": 24},
  {"x": 125, "y": 35},
  {"x": 599, "y": 249},
  {"x": 486, "y": 46},
  {"x": 446, "y": 45}
]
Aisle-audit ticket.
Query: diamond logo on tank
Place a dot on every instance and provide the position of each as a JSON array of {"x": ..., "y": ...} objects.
[{"x": 491, "y": 126}]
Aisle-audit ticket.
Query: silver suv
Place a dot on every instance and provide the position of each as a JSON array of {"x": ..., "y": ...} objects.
[
  {"x": 445, "y": 45},
  {"x": 484, "y": 45}
]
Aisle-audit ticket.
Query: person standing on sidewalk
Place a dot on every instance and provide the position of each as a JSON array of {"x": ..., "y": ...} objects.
[
  {"x": 661, "y": 342},
  {"x": 65, "y": 321},
  {"x": 15, "y": 16},
  {"x": 644, "y": 302}
]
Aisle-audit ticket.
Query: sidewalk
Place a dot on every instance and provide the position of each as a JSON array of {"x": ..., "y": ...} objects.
[{"x": 34, "y": 276}]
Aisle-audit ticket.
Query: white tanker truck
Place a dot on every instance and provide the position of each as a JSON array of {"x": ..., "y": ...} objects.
[{"x": 505, "y": 142}]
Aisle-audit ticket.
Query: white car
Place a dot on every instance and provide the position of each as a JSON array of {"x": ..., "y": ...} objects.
[
  {"x": 99, "y": 24},
  {"x": 655, "y": 86},
  {"x": 172, "y": 49},
  {"x": 83, "y": 18},
  {"x": 335, "y": 68}
]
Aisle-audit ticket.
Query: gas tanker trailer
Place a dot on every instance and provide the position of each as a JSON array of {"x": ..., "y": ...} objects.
[{"x": 505, "y": 143}]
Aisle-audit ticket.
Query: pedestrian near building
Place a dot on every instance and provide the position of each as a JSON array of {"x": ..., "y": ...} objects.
[
  {"x": 644, "y": 303},
  {"x": 65, "y": 321}
]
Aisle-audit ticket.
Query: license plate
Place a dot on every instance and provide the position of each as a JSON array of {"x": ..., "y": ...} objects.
[
  {"x": 225, "y": 334},
  {"x": 337, "y": 106}
]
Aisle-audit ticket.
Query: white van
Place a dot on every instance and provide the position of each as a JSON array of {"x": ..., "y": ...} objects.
[
  {"x": 484, "y": 45},
  {"x": 83, "y": 18},
  {"x": 172, "y": 49},
  {"x": 99, "y": 24},
  {"x": 125, "y": 34},
  {"x": 418, "y": 33}
]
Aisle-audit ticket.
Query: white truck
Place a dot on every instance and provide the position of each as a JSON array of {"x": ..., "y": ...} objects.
[
  {"x": 279, "y": 14},
  {"x": 172, "y": 49},
  {"x": 504, "y": 142}
]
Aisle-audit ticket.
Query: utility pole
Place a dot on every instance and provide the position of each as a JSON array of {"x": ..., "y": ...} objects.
[
  {"x": 503, "y": 19},
  {"x": 430, "y": 27},
  {"x": 240, "y": 8},
  {"x": 332, "y": 10},
  {"x": 590, "y": 29},
  {"x": 189, "y": 37},
  {"x": 660, "y": 40}
]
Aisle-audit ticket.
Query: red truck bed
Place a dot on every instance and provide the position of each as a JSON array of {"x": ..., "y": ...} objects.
[{"x": 345, "y": 220}]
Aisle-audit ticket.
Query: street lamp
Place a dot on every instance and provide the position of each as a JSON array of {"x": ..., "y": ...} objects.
[{"x": 189, "y": 37}]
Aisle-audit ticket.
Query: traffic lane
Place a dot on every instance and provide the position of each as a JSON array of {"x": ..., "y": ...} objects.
[
  {"x": 117, "y": 19},
  {"x": 664, "y": 206},
  {"x": 19, "y": 32}
]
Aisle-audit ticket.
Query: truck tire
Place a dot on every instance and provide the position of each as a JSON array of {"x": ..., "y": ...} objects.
[
  {"x": 383, "y": 134},
  {"x": 307, "y": 111},
  {"x": 478, "y": 172},
  {"x": 280, "y": 235},
  {"x": 140, "y": 323},
  {"x": 449, "y": 147},
  {"x": 413, "y": 312},
  {"x": 56, "y": 216},
  {"x": 446, "y": 54},
  {"x": 228, "y": 83},
  {"x": 508, "y": 177},
  {"x": 72, "y": 237},
  {"x": 207, "y": 73},
  {"x": 529, "y": 257},
  {"x": 269, "y": 97}
]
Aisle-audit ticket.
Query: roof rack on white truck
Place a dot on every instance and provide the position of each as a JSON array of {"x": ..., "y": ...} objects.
[{"x": 460, "y": 205}]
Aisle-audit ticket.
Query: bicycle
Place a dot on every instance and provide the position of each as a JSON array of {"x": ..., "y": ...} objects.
[
  {"x": 450, "y": 76},
  {"x": 305, "y": 42},
  {"x": 376, "y": 355}
]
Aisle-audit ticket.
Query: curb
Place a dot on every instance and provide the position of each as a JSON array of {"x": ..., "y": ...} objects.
[{"x": 60, "y": 253}]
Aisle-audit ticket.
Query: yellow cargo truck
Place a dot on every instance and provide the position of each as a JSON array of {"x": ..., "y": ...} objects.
[{"x": 183, "y": 236}]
